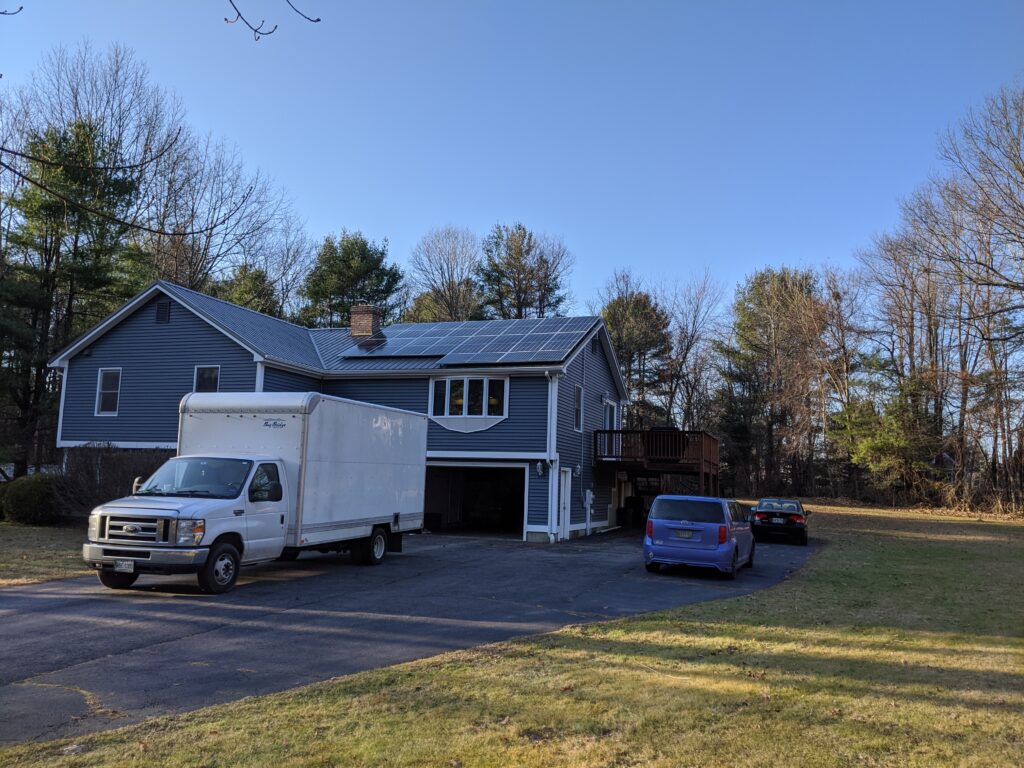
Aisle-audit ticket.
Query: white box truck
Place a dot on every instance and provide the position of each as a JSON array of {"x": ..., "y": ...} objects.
[{"x": 263, "y": 476}]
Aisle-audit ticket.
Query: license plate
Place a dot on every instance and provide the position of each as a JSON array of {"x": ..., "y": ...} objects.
[
  {"x": 683, "y": 534},
  {"x": 779, "y": 520},
  {"x": 124, "y": 566}
]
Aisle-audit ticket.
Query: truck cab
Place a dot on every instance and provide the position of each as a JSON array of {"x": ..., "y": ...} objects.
[{"x": 197, "y": 514}]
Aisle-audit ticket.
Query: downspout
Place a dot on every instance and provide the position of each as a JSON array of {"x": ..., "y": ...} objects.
[{"x": 552, "y": 454}]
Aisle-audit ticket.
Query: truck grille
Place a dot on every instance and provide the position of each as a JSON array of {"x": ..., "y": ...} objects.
[{"x": 135, "y": 530}]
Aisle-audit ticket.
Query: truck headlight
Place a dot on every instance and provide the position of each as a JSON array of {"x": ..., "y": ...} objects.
[
  {"x": 94, "y": 527},
  {"x": 190, "y": 532}
]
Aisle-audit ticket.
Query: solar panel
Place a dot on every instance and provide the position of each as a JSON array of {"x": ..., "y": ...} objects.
[{"x": 479, "y": 342}]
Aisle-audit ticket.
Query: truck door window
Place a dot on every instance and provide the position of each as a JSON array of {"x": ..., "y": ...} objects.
[{"x": 259, "y": 488}]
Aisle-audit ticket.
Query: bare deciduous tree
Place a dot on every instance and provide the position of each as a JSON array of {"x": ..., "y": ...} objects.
[{"x": 444, "y": 265}]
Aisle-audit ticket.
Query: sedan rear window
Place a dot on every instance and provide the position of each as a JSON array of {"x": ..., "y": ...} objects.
[{"x": 687, "y": 509}]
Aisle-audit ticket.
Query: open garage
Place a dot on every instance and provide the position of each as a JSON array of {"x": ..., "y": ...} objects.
[{"x": 474, "y": 498}]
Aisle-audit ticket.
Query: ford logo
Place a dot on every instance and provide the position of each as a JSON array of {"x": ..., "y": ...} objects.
[{"x": 131, "y": 529}]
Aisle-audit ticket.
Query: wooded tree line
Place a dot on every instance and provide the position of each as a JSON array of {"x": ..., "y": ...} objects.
[{"x": 900, "y": 379}]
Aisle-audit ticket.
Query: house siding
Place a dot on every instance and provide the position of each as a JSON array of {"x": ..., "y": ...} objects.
[
  {"x": 525, "y": 429},
  {"x": 537, "y": 510},
  {"x": 157, "y": 362},
  {"x": 276, "y": 380},
  {"x": 593, "y": 371},
  {"x": 410, "y": 394}
]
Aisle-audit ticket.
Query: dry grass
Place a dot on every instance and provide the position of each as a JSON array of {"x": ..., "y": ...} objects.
[
  {"x": 899, "y": 644},
  {"x": 30, "y": 554}
]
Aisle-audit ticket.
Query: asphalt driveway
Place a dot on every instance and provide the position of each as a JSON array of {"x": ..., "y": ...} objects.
[{"x": 75, "y": 657}]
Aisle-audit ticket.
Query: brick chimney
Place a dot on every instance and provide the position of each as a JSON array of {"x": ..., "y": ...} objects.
[{"x": 365, "y": 321}]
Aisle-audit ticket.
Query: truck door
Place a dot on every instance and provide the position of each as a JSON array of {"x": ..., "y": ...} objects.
[{"x": 265, "y": 514}]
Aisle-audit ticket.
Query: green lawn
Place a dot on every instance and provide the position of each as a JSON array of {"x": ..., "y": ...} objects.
[
  {"x": 900, "y": 644},
  {"x": 29, "y": 553}
]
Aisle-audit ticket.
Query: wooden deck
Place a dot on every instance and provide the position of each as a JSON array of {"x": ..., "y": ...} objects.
[{"x": 661, "y": 450}]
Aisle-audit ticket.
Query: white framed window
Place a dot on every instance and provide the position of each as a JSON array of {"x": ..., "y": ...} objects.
[
  {"x": 206, "y": 378},
  {"x": 108, "y": 391},
  {"x": 468, "y": 403},
  {"x": 577, "y": 415},
  {"x": 469, "y": 397}
]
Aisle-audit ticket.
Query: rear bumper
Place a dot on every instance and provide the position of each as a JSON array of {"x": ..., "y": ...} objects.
[
  {"x": 146, "y": 559},
  {"x": 720, "y": 557},
  {"x": 783, "y": 529}
]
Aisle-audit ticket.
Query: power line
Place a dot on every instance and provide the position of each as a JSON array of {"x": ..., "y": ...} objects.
[{"x": 124, "y": 222}]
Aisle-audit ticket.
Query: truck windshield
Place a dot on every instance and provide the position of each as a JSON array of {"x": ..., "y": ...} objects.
[{"x": 212, "y": 478}]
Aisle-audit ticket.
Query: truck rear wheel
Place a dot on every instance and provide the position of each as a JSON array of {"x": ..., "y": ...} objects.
[
  {"x": 371, "y": 551},
  {"x": 220, "y": 572},
  {"x": 113, "y": 580}
]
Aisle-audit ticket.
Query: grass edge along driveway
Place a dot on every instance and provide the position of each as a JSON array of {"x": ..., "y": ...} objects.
[
  {"x": 30, "y": 554},
  {"x": 899, "y": 644}
]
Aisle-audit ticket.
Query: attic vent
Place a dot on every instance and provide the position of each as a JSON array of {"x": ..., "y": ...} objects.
[
  {"x": 593, "y": 345},
  {"x": 163, "y": 311}
]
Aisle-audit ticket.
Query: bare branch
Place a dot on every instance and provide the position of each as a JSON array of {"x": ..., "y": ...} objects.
[{"x": 259, "y": 30}]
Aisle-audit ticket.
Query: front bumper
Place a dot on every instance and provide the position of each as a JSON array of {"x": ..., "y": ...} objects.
[{"x": 146, "y": 559}]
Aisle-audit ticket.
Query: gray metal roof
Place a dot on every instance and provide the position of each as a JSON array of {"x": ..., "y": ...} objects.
[
  {"x": 271, "y": 337},
  {"x": 401, "y": 347}
]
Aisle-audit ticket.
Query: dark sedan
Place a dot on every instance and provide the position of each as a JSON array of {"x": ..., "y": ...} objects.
[{"x": 782, "y": 517}]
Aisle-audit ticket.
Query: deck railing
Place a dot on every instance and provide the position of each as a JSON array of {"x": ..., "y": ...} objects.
[{"x": 663, "y": 446}]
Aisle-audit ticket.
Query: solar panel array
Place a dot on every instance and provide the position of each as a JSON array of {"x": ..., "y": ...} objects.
[{"x": 480, "y": 341}]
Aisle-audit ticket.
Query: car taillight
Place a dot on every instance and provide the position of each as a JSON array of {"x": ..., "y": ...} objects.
[
  {"x": 723, "y": 534},
  {"x": 760, "y": 516},
  {"x": 650, "y": 529},
  {"x": 798, "y": 519}
]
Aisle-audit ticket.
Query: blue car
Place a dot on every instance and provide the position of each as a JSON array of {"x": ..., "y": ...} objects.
[{"x": 696, "y": 530}]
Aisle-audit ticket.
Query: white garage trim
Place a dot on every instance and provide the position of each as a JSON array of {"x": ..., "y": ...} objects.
[{"x": 496, "y": 465}]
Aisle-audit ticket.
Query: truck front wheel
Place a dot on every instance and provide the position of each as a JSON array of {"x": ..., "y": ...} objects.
[
  {"x": 220, "y": 572},
  {"x": 370, "y": 551},
  {"x": 113, "y": 580}
]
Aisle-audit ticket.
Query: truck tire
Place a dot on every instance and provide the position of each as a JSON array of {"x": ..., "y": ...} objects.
[
  {"x": 220, "y": 572},
  {"x": 371, "y": 551},
  {"x": 112, "y": 580}
]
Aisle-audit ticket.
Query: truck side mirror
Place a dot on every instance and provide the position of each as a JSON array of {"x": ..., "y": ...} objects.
[
  {"x": 136, "y": 484},
  {"x": 274, "y": 491}
]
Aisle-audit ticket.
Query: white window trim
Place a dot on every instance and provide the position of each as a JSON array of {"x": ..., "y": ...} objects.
[
  {"x": 99, "y": 391},
  {"x": 578, "y": 390},
  {"x": 463, "y": 422},
  {"x": 615, "y": 412},
  {"x": 195, "y": 376}
]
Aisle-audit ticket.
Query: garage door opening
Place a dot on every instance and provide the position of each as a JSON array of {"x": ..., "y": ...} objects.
[{"x": 475, "y": 500}]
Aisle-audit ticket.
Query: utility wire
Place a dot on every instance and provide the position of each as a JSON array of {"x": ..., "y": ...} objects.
[
  {"x": 124, "y": 222},
  {"x": 60, "y": 164}
]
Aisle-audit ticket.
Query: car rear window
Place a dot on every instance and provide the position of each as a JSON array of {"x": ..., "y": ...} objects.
[
  {"x": 778, "y": 506},
  {"x": 687, "y": 509}
]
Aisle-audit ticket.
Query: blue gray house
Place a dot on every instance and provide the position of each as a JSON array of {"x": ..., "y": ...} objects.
[{"x": 517, "y": 407}]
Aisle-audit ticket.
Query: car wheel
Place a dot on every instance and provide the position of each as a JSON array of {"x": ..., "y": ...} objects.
[
  {"x": 112, "y": 580},
  {"x": 652, "y": 567},
  {"x": 371, "y": 551},
  {"x": 802, "y": 538},
  {"x": 734, "y": 570},
  {"x": 220, "y": 571},
  {"x": 750, "y": 560}
]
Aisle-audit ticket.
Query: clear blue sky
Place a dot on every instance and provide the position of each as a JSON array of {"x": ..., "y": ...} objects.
[{"x": 664, "y": 136}]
